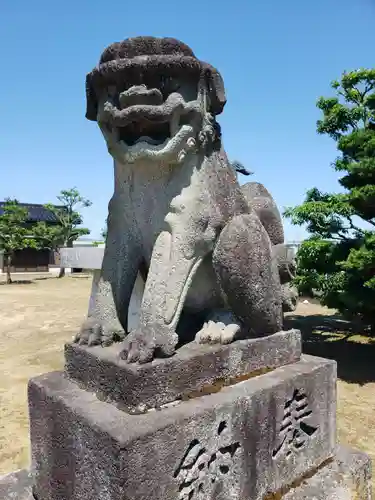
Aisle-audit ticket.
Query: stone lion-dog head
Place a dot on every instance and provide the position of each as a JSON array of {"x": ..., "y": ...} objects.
[{"x": 153, "y": 99}]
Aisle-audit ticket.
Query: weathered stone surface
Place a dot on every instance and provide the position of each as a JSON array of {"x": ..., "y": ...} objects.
[
  {"x": 92, "y": 258},
  {"x": 194, "y": 367},
  {"x": 16, "y": 486},
  {"x": 347, "y": 477},
  {"x": 264, "y": 205},
  {"x": 176, "y": 199},
  {"x": 289, "y": 296},
  {"x": 249, "y": 275},
  {"x": 251, "y": 438},
  {"x": 134, "y": 303},
  {"x": 286, "y": 262}
]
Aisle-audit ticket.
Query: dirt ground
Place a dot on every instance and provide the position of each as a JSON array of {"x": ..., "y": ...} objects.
[
  {"x": 36, "y": 319},
  {"x": 38, "y": 316}
]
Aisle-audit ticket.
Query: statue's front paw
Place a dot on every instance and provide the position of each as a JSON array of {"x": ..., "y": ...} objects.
[
  {"x": 99, "y": 332},
  {"x": 147, "y": 342}
]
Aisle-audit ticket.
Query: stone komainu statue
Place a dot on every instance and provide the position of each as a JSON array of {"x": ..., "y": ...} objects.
[{"x": 208, "y": 249}]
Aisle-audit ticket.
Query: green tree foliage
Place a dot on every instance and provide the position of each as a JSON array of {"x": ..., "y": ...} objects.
[
  {"x": 338, "y": 260},
  {"x": 14, "y": 232},
  {"x": 68, "y": 215},
  {"x": 69, "y": 220}
]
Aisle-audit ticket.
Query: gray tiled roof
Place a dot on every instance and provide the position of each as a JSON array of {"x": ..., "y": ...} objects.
[{"x": 37, "y": 212}]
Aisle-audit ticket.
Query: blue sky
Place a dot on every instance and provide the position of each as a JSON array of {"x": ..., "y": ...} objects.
[{"x": 276, "y": 58}]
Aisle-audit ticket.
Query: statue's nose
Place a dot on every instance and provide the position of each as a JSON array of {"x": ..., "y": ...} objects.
[{"x": 140, "y": 94}]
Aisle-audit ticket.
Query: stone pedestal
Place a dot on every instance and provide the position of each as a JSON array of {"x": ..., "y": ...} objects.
[
  {"x": 243, "y": 442},
  {"x": 347, "y": 476},
  {"x": 254, "y": 420},
  {"x": 195, "y": 369}
]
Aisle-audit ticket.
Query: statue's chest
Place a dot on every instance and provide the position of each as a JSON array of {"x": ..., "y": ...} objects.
[
  {"x": 189, "y": 201},
  {"x": 179, "y": 201}
]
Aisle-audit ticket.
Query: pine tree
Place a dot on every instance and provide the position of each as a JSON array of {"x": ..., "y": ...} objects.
[{"x": 338, "y": 260}]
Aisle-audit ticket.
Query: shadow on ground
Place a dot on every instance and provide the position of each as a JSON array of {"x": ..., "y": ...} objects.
[
  {"x": 331, "y": 337},
  {"x": 17, "y": 282}
]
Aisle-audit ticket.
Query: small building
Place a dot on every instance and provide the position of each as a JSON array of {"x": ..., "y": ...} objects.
[{"x": 29, "y": 259}]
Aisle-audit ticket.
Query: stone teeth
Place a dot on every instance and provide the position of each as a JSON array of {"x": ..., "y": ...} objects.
[
  {"x": 191, "y": 142},
  {"x": 181, "y": 156}
]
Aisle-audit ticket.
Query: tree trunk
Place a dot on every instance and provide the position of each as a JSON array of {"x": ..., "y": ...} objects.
[
  {"x": 8, "y": 266},
  {"x": 62, "y": 269}
]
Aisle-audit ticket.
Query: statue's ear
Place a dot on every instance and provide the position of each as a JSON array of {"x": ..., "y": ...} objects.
[
  {"x": 91, "y": 100},
  {"x": 215, "y": 90}
]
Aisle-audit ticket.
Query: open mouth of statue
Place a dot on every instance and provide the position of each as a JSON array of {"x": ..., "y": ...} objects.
[
  {"x": 154, "y": 125},
  {"x": 152, "y": 133}
]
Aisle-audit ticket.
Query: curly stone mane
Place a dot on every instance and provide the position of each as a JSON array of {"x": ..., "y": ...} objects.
[{"x": 130, "y": 59}]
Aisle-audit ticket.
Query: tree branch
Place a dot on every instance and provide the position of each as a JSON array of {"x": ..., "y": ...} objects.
[{"x": 353, "y": 226}]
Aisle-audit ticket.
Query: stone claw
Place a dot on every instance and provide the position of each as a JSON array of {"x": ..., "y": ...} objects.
[
  {"x": 144, "y": 344},
  {"x": 95, "y": 332},
  {"x": 217, "y": 332}
]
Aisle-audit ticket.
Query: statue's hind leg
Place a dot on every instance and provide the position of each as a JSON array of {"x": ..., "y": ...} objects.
[{"x": 248, "y": 276}]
